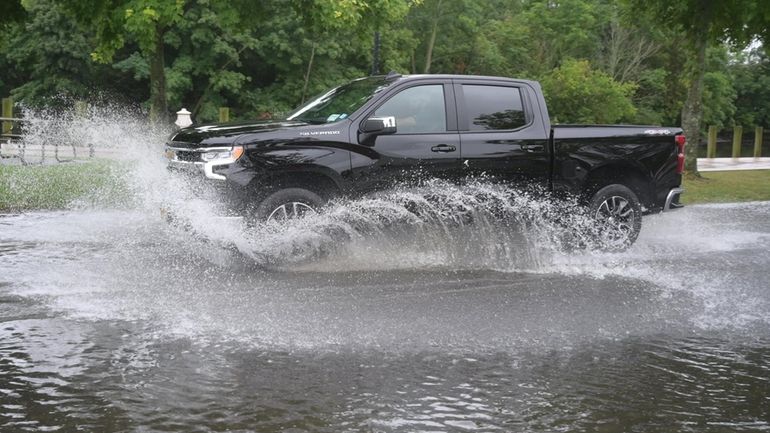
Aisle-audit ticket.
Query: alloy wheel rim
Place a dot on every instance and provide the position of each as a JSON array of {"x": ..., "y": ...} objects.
[
  {"x": 617, "y": 218},
  {"x": 290, "y": 210}
]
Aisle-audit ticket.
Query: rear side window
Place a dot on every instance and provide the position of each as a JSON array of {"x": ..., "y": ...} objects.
[{"x": 493, "y": 107}]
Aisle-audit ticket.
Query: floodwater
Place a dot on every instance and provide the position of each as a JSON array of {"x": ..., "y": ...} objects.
[
  {"x": 433, "y": 309},
  {"x": 112, "y": 321}
]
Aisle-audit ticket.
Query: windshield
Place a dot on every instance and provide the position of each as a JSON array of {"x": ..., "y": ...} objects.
[{"x": 339, "y": 102}]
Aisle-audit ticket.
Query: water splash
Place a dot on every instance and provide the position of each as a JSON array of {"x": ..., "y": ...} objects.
[
  {"x": 436, "y": 225},
  {"x": 439, "y": 225},
  {"x": 110, "y": 131},
  {"x": 682, "y": 260}
]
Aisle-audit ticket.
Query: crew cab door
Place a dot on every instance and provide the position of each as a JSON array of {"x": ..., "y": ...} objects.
[
  {"x": 500, "y": 136},
  {"x": 425, "y": 145}
]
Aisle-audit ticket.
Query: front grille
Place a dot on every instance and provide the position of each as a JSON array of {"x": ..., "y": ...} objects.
[
  {"x": 187, "y": 156},
  {"x": 182, "y": 152}
]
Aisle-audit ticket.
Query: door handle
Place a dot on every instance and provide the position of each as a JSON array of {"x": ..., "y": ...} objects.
[
  {"x": 443, "y": 148},
  {"x": 531, "y": 148}
]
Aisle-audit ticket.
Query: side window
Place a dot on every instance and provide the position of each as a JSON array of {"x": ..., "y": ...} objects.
[
  {"x": 417, "y": 109},
  {"x": 493, "y": 107}
]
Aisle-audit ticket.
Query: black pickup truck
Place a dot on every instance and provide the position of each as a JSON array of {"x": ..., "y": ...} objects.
[{"x": 374, "y": 132}]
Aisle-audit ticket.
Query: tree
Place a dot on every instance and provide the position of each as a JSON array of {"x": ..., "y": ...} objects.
[
  {"x": 11, "y": 14},
  {"x": 334, "y": 37},
  {"x": 54, "y": 63},
  {"x": 704, "y": 23},
  {"x": 446, "y": 31},
  {"x": 268, "y": 56},
  {"x": 578, "y": 94},
  {"x": 357, "y": 18},
  {"x": 718, "y": 91},
  {"x": 627, "y": 45},
  {"x": 207, "y": 47},
  {"x": 10, "y": 11},
  {"x": 386, "y": 18},
  {"x": 750, "y": 75},
  {"x": 559, "y": 30},
  {"x": 151, "y": 25},
  {"x": 143, "y": 21},
  {"x": 436, "y": 13}
]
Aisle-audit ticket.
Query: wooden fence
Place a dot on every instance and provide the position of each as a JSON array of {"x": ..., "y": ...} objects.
[
  {"x": 10, "y": 130},
  {"x": 737, "y": 142},
  {"x": 8, "y": 120}
]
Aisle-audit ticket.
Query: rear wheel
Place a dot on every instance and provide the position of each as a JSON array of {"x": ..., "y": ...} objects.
[
  {"x": 618, "y": 216},
  {"x": 288, "y": 203}
]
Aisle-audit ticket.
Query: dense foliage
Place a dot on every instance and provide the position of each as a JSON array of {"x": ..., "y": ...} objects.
[{"x": 599, "y": 60}]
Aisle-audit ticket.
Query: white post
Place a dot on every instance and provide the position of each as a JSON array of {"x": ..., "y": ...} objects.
[{"x": 183, "y": 118}]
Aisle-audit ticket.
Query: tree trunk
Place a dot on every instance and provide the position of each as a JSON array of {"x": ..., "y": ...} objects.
[
  {"x": 432, "y": 40},
  {"x": 307, "y": 73},
  {"x": 199, "y": 103},
  {"x": 158, "y": 100},
  {"x": 376, "y": 54},
  {"x": 692, "y": 111}
]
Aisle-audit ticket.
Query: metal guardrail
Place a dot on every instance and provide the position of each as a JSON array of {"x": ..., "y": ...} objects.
[{"x": 12, "y": 145}]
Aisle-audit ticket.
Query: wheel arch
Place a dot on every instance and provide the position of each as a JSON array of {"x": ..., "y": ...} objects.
[
  {"x": 624, "y": 174},
  {"x": 310, "y": 178}
]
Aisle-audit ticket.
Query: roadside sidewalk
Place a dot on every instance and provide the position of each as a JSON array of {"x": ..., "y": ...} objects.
[{"x": 727, "y": 164}]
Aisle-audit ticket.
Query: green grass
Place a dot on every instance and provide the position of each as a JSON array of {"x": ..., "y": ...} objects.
[
  {"x": 727, "y": 186},
  {"x": 102, "y": 183},
  {"x": 59, "y": 186}
]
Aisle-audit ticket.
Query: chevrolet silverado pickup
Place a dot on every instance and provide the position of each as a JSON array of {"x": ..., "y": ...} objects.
[{"x": 376, "y": 132}]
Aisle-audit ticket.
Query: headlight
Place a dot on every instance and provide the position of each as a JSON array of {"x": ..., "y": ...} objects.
[
  {"x": 231, "y": 154},
  {"x": 210, "y": 156}
]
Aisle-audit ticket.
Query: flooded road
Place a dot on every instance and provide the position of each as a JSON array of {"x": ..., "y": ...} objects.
[{"x": 111, "y": 321}]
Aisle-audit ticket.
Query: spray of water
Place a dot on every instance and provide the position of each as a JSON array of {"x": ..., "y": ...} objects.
[
  {"x": 90, "y": 131},
  {"x": 478, "y": 226},
  {"x": 439, "y": 225},
  {"x": 129, "y": 145}
]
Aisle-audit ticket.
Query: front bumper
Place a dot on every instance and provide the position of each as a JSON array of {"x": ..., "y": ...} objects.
[
  {"x": 229, "y": 191},
  {"x": 672, "y": 199},
  {"x": 191, "y": 159}
]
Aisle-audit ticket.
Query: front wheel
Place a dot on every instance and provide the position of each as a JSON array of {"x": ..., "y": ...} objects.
[
  {"x": 618, "y": 216},
  {"x": 288, "y": 203}
]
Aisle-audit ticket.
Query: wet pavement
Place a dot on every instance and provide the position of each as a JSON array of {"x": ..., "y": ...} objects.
[{"x": 111, "y": 321}]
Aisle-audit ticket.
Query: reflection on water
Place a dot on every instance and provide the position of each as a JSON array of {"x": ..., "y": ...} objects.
[
  {"x": 110, "y": 321},
  {"x": 654, "y": 384}
]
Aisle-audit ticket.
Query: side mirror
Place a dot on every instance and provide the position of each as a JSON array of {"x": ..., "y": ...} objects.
[
  {"x": 379, "y": 125},
  {"x": 374, "y": 126}
]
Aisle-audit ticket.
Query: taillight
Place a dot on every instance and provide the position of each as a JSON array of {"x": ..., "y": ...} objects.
[{"x": 680, "y": 142}]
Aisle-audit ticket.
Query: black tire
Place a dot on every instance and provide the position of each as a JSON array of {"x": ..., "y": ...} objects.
[
  {"x": 618, "y": 215},
  {"x": 288, "y": 203}
]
